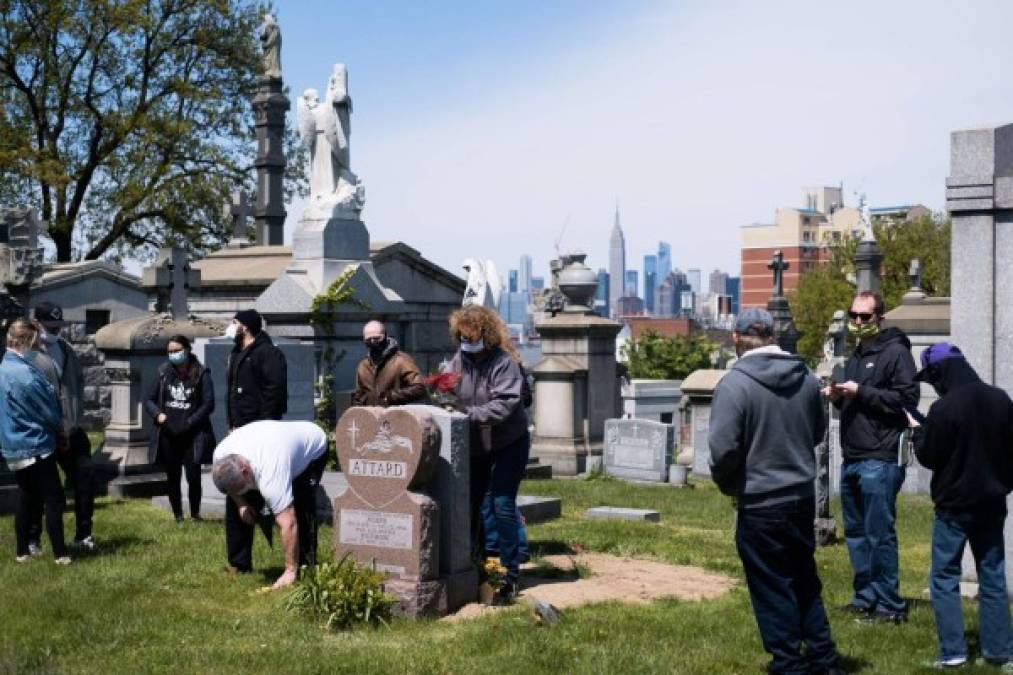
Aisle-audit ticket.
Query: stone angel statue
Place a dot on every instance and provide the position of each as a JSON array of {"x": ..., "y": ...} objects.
[
  {"x": 325, "y": 128},
  {"x": 485, "y": 285},
  {"x": 270, "y": 42}
]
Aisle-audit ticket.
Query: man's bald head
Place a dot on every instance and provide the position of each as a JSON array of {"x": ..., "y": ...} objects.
[{"x": 372, "y": 331}]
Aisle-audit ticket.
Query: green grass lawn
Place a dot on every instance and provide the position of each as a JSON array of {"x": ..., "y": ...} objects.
[{"x": 156, "y": 599}]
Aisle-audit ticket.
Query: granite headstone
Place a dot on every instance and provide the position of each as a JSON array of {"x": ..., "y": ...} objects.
[
  {"x": 638, "y": 449},
  {"x": 388, "y": 454}
]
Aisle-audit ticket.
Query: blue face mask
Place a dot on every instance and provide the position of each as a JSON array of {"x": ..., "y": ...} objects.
[
  {"x": 178, "y": 358},
  {"x": 473, "y": 347}
]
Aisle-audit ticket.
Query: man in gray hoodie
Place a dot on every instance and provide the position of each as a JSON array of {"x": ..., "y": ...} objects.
[{"x": 766, "y": 419}]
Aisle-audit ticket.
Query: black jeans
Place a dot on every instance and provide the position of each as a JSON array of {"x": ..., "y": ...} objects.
[
  {"x": 239, "y": 535},
  {"x": 39, "y": 489},
  {"x": 80, "y": 473},
  {"x": 174, "y": 460},
  {"x": 777, "y": 545}
]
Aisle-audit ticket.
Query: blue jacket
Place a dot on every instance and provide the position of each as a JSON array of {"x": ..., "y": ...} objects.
[{"x": 30, "y": 414}]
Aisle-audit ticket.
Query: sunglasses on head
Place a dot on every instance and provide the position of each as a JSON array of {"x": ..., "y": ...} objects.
[{"x": 864, "y": 316}]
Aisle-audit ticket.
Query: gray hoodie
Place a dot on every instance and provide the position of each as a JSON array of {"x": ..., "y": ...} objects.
[{"x": 767, "y": 418}]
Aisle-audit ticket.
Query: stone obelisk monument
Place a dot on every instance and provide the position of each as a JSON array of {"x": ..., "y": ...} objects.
[{"x": 270, "y": 105}]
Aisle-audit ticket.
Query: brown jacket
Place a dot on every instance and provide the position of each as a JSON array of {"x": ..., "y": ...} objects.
[{"x": 395, "y": 380}]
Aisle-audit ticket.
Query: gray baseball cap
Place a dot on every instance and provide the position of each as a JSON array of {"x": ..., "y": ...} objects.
[{"x": 753, "y": 321}]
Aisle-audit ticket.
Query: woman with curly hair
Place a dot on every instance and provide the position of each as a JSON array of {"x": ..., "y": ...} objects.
[{"x": 491, "y": 392}]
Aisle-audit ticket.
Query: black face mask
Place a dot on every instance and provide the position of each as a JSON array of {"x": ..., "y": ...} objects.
[{"x": 376, "y": 347}]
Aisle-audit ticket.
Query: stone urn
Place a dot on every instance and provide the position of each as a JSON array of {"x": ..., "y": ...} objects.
[{"x": 578, "y": 284}]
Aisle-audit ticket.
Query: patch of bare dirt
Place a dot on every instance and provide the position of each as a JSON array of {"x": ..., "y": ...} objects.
[{"x": 609, "y": 578}]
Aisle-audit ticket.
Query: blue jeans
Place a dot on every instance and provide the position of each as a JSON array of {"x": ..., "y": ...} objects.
[
  {"x": 983, "y": 529},
  {"x": 500, "y": 474},
  {"x": 777, "y": 545},
  {"x": 869, "y": 501},
  {"x": 492, "y": 533}
]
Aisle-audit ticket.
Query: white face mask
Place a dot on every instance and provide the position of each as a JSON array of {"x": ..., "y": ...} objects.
[
  {"x": 473, "y": 347},
  {"x": 230, "y": 332}
]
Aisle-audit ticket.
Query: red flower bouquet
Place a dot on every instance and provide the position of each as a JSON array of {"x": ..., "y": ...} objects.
[{"x": 442, "y": 389}]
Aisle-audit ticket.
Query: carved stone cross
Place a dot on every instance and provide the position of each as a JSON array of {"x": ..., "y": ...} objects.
[
  {"x": 239, "y": 209},
  {"x": 171, "y": 277},
  {"x": 778, "y": 265}
]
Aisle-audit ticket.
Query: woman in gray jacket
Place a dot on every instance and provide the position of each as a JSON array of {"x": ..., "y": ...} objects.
[{"x": 491, "y": 393}]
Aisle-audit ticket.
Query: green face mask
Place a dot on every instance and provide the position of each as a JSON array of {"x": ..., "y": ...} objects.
[{"x": 866, "y": 330}]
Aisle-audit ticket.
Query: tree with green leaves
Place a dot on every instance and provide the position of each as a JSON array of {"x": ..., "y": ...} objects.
[
  {"x": 926, "y": 239},
  {"x": 655, "y": 357},
  {"x": 129, "y": 122},
  {"x": 829, "y": 287}
]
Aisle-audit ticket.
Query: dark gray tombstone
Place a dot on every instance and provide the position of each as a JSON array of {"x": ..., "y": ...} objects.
[
  {"x": 239, "y": 209},
  {"x": 785, "y": 332}
]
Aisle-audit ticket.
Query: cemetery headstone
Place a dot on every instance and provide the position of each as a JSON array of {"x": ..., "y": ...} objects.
[
  {"x": 698, "y": 395},
  {"x": 383, "y": 518},
  {"x": 979, "y": 199},
  {"x": 785, "y": 332},
  {"x": 621, "y": 513},
  {"x": 238, "y": 210},
  {"x": 638, "y": 449}
]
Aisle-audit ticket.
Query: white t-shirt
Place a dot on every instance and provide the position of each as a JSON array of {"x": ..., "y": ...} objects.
[{"x": 278, "y": 452}]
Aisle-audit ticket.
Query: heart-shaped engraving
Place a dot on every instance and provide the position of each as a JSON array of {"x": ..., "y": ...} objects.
[{"x": 384, "y": 452}]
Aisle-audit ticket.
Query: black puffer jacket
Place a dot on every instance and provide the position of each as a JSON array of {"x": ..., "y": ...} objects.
[
  {"x": 258, "y": 383},
  {"x": 967, "y": 441},
  {"x": 871, "y": 423}
]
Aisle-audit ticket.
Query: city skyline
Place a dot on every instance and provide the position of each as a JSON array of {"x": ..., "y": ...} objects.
[{"x": 447, "y": 112}]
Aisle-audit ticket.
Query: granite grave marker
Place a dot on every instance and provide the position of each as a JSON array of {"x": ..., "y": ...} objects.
[
  {"x": 381, "y": 519},
  {"x": 638, "y": 449}
]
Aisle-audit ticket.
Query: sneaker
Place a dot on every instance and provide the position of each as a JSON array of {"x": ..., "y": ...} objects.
[
  {"x": 506, "y": 595},
  {"x": 856, "y": 610},
  {"x": 64, "y": 560},
  {"x": 22, "y": 558},
  {"x": 34, "y": 548},
  {"x": 896, "y": 618},
  {"x": 947, "y": 664},
  {"x": 1004, "y": 665},
  {"x": 86, "y": 544}
]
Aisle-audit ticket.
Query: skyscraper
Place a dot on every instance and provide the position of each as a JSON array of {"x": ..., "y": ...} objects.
[
  {"x": 733, "y": 289},
  {"x": 512, "y": 281},
  {"x": 664, "y": 259},
  {"x": 650, "y": 281},
  {"x": 617, "y": 264},
  {"x": 524, "y": 275},
  {"x": 668, "y": 294},
  {"x": 694, "y": 279},
  {"x": 632, "y": 284},
  {"x": 601, "y": 294},
  {"x": 718, "y": 282}
]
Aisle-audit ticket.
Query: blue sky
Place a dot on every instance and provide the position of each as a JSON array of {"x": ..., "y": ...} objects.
[{"x": 481, "y": 128}]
